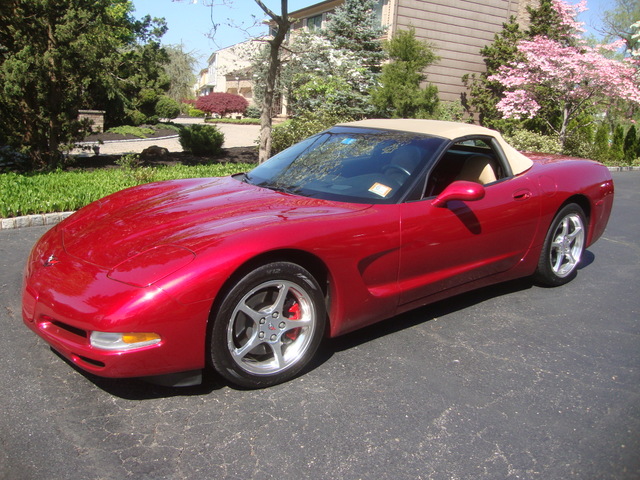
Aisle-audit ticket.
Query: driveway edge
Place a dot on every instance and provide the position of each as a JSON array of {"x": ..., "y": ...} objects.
[{"x": 33, "y": 220}]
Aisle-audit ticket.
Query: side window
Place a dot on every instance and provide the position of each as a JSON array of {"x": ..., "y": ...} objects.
[
  {"x": 470, "y": 159},
  {"x": 315, "y": 22}
]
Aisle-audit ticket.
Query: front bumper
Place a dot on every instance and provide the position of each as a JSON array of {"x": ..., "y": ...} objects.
[{"x": 64, "y": 300}]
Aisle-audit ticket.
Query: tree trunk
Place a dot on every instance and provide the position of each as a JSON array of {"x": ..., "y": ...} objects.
[{"x": 283, "y": 23}]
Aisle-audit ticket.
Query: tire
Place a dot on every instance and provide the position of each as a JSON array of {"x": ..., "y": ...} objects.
[
  {"x": 268, "y": 326},
  {"x": 563, "y": 247}
]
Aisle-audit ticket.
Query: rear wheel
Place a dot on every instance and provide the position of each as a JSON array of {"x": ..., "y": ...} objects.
[
  {"x": 269, "y": 326},
  {"x": 563, "y": 247}
]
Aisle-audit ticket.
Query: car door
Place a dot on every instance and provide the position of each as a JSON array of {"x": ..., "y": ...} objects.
[{"x": 462, "y": 241}]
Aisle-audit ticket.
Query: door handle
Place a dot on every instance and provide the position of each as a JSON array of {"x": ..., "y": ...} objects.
[{"x": 521, "y": 194}]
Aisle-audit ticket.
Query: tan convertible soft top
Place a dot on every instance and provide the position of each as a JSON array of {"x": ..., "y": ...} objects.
[{"x": 450, "y": 130}]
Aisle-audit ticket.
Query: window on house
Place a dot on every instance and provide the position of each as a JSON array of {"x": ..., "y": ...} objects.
[
  {"x": 315, "y": 22},
  {"x": 378, "y": 9}
]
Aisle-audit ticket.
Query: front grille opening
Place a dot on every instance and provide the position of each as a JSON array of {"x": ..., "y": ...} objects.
[{"x": 76, "y": 331}]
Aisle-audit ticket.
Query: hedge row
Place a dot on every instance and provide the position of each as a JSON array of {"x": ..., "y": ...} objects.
[{"x": 64, "y": 191}]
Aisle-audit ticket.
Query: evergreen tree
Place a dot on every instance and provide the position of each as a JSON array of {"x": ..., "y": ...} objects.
[
  {"x": 601, "y": 143},
  {"x": 354, "y": 32},
  {"x": 59, "y": 56},
  {"x": 616, "y": 153},
  {"x": 355, "y": 27},
  {"x": 400, "y": 94},
  {"x": 484, "y": 94},
  {"x": 630, "y": 145}
]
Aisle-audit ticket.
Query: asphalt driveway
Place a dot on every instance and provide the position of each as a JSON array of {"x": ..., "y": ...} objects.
[{"x": 510, "y": 382}]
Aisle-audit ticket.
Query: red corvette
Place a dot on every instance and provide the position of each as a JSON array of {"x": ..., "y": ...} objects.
[{"x": 246, "y": 274}]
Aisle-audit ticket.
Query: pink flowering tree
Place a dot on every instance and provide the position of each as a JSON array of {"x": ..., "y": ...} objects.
[{"x": 573, "y": 75}]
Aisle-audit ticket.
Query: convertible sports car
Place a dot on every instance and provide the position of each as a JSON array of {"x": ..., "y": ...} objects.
[{"x": 246, "y": 274}]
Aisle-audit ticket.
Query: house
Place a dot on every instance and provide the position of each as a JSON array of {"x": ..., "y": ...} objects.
[
  {"x": 228, "y": 70},
  {"x": 457, "y": 29}
]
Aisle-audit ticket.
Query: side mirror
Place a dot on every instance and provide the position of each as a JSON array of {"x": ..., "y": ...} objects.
[{"x": 461, "y": 190}]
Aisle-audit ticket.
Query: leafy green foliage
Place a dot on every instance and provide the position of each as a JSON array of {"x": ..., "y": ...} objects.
[
  {"x": 252, "y": 111},
  {"x": 167, "y": 107},
  {"x": 302, "y": 126},
  {"x": 616, "y": 153},
  {"x": 201, "y": 139},
  {"x": 330, "y": 94},
  {"x": 580, "y": 140},
  {"x": 140, "y": 132},
  {"x": 354, "y": 26},
  {"x": 179, "y": 69},
  {"x": 335, "y": 67},
  {"x": 631, "y": 145},
  {"x": 59, "y": 56},
  {"x": 617, "y": 22},
  {"x": 527, "y": 141},
  {"x": 65, "y": 191},
  {"x": 601, "y": 143},
  {"x": 400, "y": 94},
  {"x": 484, "y": 94}
]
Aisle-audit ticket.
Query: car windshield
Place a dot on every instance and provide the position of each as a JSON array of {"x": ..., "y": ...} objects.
[{"x": 349, "y": 164}]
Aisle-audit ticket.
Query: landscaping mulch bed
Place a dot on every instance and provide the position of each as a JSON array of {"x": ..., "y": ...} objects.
[{"x": 228, "y": 155}]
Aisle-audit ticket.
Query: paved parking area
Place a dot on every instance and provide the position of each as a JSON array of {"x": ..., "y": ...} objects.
[{"x": 510, "y": 382}]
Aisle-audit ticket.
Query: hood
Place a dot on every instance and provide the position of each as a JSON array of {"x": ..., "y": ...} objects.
[{"x": 189, "y": 214}]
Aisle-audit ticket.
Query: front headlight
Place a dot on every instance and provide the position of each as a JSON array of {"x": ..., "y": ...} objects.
[
  {"x": 123, "y": 341},
  {"x": 148, "y": 267}
]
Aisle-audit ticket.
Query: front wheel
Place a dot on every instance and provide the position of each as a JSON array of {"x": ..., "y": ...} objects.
[
  {"x": 269, "y": 326},
  {"x": 563, "y": 247}
]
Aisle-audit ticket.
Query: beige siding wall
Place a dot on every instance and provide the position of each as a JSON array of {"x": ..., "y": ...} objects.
[{"x": 457, "y": 29}]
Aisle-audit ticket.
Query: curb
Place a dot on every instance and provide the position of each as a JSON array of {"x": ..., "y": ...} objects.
[
  {"x": 40, "y": 220},
  {"x": 624, "y": 169},
  {"x": 54, "y": 218},
  {"x": 129, "y": 140}
]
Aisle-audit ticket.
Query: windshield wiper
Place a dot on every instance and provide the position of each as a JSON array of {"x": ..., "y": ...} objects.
[{"x": 281, "y": 188}]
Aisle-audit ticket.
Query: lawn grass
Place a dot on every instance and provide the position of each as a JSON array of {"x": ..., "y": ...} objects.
[{"x": 61, "y": 191}]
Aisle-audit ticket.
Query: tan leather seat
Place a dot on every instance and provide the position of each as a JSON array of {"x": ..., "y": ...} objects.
[{"x": 478, "y": 168}]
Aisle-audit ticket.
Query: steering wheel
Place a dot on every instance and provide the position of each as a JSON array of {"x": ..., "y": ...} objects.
[{"x": 398, "y": 168}]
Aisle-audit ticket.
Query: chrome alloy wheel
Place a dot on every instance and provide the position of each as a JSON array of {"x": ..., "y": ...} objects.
[
  {"x": 567, "y": 245},
  {"x": 271, "y": 327}
]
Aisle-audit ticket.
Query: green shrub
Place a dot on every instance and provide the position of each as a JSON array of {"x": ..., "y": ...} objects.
[
  {"x": 300, "y": 127},
  {"x": 527, "y": 141},
  {"x": 167, "y": 107},
  {"x": 616, "y": 153},
  {"x": 449, "y": 111},
  {"x": 252, "y": 111},
  {"x": 140, "y": 132},
  {"x": 235, "y": 121},
  {"x": 194, "y": 112},
  {"x": 580, "y": 142},
  {"x": 601, "y": 143},
  {"x": 201, "y": 139},
  {"x": 136, "y": 117},
  {"x": 11, "y": 159},
  {"x": 630, "y": 145}
]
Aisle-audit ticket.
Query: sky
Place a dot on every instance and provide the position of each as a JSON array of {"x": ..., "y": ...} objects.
[{"x": 191, "y": 21}]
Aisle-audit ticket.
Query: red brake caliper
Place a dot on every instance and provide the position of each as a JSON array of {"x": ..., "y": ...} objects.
[{"x": 294, "y": 314}]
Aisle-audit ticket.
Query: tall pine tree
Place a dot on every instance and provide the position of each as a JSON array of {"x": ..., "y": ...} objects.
[{"x": 400, "y": 94}]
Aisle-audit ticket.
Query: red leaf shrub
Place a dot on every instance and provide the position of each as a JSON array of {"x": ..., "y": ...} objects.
[{"x": 222, "y": 103}]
